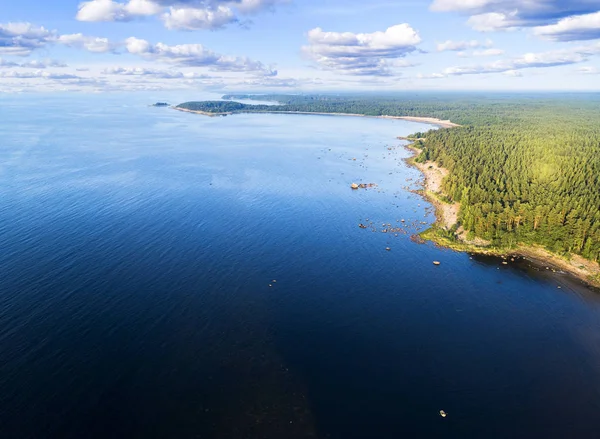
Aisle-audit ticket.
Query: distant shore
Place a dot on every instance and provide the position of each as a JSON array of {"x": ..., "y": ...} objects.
[{"x": 429, "y": 120}]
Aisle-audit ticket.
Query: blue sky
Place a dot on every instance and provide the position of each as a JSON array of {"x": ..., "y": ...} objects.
[{"x": 293, "y": 45}]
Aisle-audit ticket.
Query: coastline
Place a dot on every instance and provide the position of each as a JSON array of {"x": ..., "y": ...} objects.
[
  {"x": 428, "y": 120},
  {"x": 203, "y": 113},
  {"x": 442, "y": 232}
]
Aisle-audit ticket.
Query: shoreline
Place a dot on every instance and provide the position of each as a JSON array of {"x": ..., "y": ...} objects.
[
  {"x": 428, "y": 120},
  {"x": 447, "y": 217},
  {"x": 447, "y": 213}
]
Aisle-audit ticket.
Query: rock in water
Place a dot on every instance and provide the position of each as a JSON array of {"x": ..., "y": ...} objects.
[
  {"x": 436, "y": 263},
  {"x": 354, "y": 186}
]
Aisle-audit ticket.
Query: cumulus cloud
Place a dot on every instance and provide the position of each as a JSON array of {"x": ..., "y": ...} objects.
[
  {"x": 361, "y": 53},
  {"x": 495, "y": 15},
  {"x": 176, "y": 14},
  {"x": 195, "y": 19},
  {"x": 196, "y": 55},
  {"x": 495, "y": 21},
  {"x": 528, "y": 61},
  {"x": 23, "y": 38},
  {"x": 91, "y": 44},
  {"x": 108, "y": 10},
  {"x": 450, "y": 45},
  {"x": 578, "y": 27}
]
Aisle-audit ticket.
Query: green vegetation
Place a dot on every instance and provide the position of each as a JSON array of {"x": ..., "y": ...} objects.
[
  {"x": 525, "y": 168},
  {"x": 533, "y": 180},
  {"x": 448, "y": 239}
]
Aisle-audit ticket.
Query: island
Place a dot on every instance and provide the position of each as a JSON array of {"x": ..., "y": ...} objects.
[
  {"x": 508, "y": 174},
  {"x": 160, "y": 104}
]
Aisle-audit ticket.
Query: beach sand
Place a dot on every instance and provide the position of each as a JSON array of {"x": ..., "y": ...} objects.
[{"x": 428, "y": 120}]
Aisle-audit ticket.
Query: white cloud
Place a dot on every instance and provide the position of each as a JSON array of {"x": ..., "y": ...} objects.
[
  {"x": 459, "y": 5},
  {"x": 108, "y": 10},
  {"x": 496, "y": 15},
  {"x": 494, "y": 21},
  {"x": 23, "y": 38},
  {"x": 196, "y": 55},
  {"x": 528, "y": 61},
  {"x": 176, "y": 14},
  {"x": 450, "y": 45},
  {"x": 196, "y": 19},
  {"x": 488, "y": 52},
  {"x": 153, "y": 73},
  {"x": 579, "y": 27},
  {"x": 91, "y": 44},
  {"x": 42, "y": 64},
  {"x": 361, "y": 54},
  {"x": 37, "y": 74},
  {"x": 431, "y": 76},
  {"x": 254, "y": 6}
]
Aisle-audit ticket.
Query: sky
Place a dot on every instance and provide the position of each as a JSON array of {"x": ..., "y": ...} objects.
[{"x": 298, "y": 45}]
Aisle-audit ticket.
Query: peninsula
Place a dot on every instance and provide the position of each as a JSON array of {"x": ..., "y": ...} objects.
[
  {"x": 221, "y": 108},
  {"x": 515, "y": 174}
]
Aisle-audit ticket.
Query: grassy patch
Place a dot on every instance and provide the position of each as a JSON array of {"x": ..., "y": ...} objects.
[{"x": 448, "y": 239}]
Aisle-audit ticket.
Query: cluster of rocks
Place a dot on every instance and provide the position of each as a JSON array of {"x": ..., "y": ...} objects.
[{"x": 362, "y": 185}]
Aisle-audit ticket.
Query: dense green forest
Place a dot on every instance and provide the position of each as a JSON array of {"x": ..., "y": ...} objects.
[{"x": 525, "y": 168}]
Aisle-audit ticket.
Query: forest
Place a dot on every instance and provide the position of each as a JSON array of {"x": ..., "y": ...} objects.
[{"x": 525, "y": 168}]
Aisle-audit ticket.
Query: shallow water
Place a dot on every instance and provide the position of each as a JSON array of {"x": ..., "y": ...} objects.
[{"x": 140, "y": 249}]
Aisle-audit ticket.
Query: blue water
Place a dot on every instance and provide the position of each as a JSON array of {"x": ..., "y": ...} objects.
[{"x": 169, "y": 275}]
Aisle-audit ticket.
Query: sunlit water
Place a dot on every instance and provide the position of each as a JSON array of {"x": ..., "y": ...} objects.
[{"x": 168, "y": 275}]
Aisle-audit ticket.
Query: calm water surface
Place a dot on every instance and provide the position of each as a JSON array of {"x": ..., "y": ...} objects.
[{"x": 173, "y": 276}]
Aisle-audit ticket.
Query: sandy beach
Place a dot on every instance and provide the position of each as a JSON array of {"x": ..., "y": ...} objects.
[
  {"x": 446, "y": 213},
  {"x": 203, "y": 113},
  {"x": 428, "y": 120}
]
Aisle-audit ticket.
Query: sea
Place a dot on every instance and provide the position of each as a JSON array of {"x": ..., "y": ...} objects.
[{"x": 170, "y": 275}]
